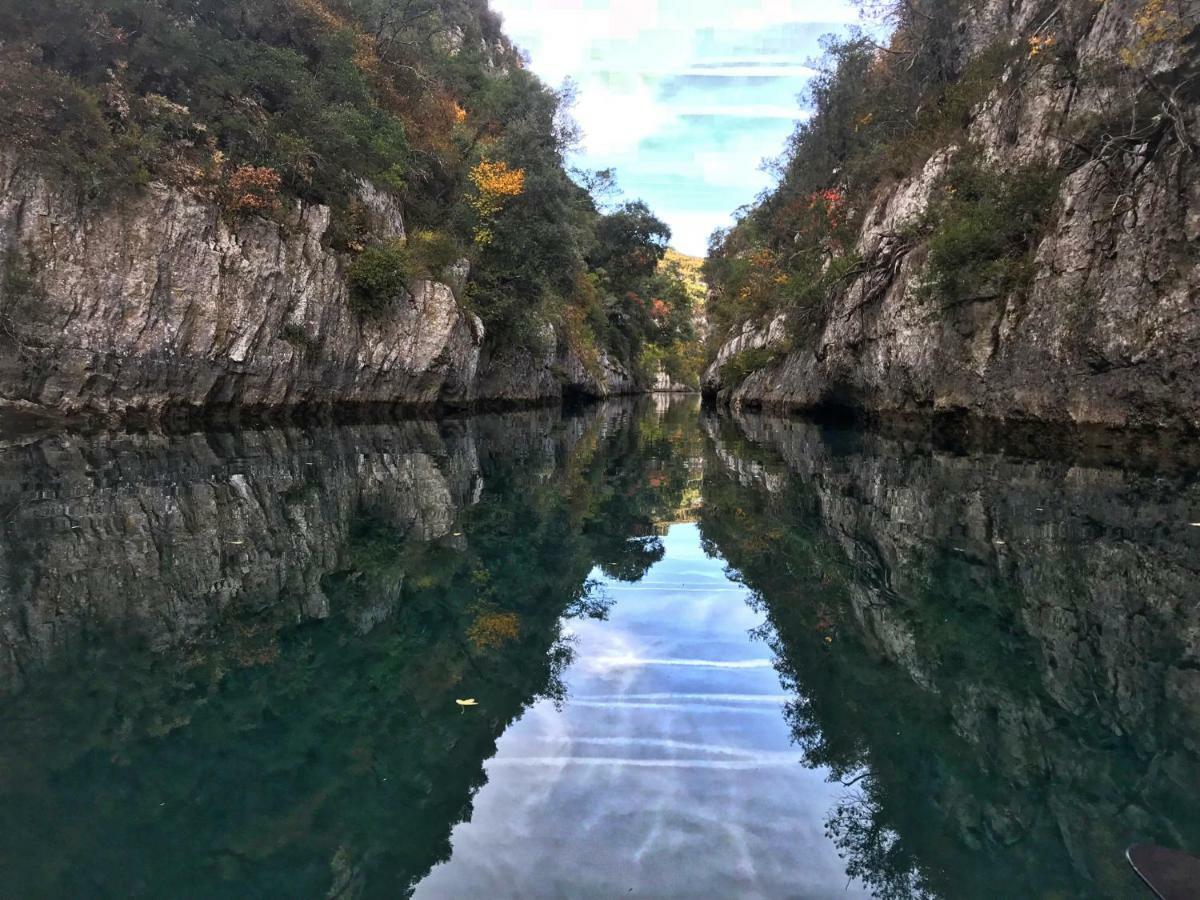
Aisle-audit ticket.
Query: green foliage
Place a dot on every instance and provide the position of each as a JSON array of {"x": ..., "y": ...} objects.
[
  {"x": 298, "y": 337},
  {"x": 681, "y": 360},
  {"x": 629, "y": 243},
  {"x": 262, "y": 83},
  {"x": 381, "y": 272},
  {"x": 984, "y": 227},
  {"x": 60, "y": 122},
  {"x": 741, "y": 364},
  {"x": 252, "y": 103},
  {"x": 431, "y": 252},
  {"x": 377, "y": 276}
]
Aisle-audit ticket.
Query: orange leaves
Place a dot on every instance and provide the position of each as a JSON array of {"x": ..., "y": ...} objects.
[
  {"x": 830, "y": 198},
  {"x": 254, "y": 189},
  {"x": 495, "y": 184},
  {"x": 659, "y": 309},
  {"x": 1039, "y": 44},
  {"x": 493, "y": 629}
]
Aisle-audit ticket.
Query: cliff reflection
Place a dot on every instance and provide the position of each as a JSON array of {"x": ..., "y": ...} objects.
[
  {"x": 1000, "y": 659},
  {"x": 231, "y": 661}
]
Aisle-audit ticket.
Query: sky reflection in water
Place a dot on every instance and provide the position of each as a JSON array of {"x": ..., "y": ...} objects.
[{"x": 669, "y": 771}]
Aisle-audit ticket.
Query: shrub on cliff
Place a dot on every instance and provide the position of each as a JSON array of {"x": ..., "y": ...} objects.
[
  {"x": 983, "y": 227},
  {"x": 382, "y": 272},
  {"x": 741, "y": 364},
  {"x": 377, "y": 277}
]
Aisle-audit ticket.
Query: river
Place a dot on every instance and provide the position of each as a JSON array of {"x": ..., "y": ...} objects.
[{"x": 637, "y": 649}]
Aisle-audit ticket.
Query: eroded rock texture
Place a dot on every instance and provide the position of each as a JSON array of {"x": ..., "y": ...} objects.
[
  {"x": 156, "y": 303},
  {"x": 1109, "y": 331}
]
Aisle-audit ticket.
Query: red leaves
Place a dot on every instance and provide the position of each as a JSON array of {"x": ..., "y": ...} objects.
[
  {"x": 831, "y": 201},
  {"x": 254, "y": 189}
]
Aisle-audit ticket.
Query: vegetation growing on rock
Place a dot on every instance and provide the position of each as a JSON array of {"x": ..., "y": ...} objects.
[
  {"x": 258, "y": 104},
  {"x": 934, "y": 163}
]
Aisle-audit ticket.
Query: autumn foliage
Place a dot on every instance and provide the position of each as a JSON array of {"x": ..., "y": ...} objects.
[
  {"x": 345, "y": 103},
  {"x": 493, "y": 629},
  {"x": 831, "y": 203},
  {"x": 495, "y": 184},
  {"x": 254, "y": 189}
]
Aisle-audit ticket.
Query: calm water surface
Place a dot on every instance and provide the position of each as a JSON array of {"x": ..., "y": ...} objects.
[{"x": 709, "y": 656}]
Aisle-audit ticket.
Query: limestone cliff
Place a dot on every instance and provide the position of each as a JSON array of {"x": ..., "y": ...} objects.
[
  {"x": 157, "y": 303},
  {"x": 1107, "y": 329}
]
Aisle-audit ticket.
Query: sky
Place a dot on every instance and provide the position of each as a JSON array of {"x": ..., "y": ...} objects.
[{"x": 684, "y": 98}]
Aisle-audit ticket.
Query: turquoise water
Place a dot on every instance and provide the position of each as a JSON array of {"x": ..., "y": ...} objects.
[{"x": 708, "y": 656}]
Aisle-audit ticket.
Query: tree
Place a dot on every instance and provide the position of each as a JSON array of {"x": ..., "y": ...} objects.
[{"x": 629, "y": 243}]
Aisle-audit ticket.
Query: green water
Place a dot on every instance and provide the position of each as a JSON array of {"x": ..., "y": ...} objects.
[{"x": 710, "y": 656}]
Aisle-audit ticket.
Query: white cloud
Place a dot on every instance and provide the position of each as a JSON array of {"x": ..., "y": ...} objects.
[
  {"x": 744, "y": 71},
  {"x": 615, "y": 122},
  {"x": 684, "y": 90},
  {"x": 749, "y": 111}
]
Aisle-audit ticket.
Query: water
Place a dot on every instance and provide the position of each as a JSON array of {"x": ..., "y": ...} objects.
[
  {"x": 709, "y": 657},
  {"x": 672, "y": 701}
]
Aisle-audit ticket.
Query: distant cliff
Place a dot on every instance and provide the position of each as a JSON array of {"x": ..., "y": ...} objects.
[{"x": 998, "y": 215}]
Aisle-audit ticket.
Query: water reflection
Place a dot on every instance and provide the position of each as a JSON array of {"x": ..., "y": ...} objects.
[
  {"x": 708, "y": 655},
  {"x": 669, "y": 772},
  {"x": 232, "y": 660},
  {"x": 1001, "y": 659}
]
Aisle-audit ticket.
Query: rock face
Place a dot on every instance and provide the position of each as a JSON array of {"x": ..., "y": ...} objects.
[
  {"x": 1109, "y": 331},
  {"x": 664, "y": 384},
  {"x": 515, "y": 373},
  {"x": 156, "y": 303}
]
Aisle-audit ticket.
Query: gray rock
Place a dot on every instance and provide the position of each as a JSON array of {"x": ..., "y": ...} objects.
[
  {"x": 157, "y": 302},
  {"x": 1108, "y": 334}
]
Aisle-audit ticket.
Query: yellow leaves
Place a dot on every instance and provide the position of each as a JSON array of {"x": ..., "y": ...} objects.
[
  {"x": 495, "y": 184},
  {"x": 762, "y": 259},
  {"x": 471, "y": 701},
  {"x": 1039, "y": 44},
  {"x": 460, "y": 114},
  {"x": 498, "y": 180},
  {"x": 1159, "y": 22}
]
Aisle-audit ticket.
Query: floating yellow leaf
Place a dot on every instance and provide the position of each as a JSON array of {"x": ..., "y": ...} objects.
[{"x": 468, "y": 702}]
